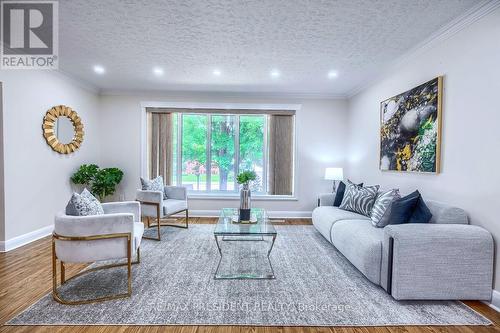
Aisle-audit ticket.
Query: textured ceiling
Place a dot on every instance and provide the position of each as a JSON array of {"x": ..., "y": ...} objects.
[{"x": 303, "y": 39}]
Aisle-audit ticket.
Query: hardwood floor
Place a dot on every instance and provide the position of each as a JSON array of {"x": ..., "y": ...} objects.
[{"x": 25, "y": 276}]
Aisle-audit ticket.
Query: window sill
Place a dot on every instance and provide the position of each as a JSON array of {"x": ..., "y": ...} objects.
[{"x": 208, "y": 196}]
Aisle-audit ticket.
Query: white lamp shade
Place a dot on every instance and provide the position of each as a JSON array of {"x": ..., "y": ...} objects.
[{"x": 334, "y": 173}]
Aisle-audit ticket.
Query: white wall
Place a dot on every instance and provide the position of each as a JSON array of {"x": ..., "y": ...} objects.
[
  {"x": 321, "y": 137},
  {"x": 37, "y": 181},
  {"x": 2, "y": 188},
  {"x": 470, "y": 63}
]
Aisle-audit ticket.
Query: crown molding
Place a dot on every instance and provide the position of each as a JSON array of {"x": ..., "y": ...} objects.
[
  {"x": 474, "y": 14},
  {"x": 76, "y": 81},
  {"x": 222, "y": 94}
]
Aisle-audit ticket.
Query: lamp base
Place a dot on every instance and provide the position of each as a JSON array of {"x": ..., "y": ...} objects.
[
  {"x": 334, "y": 188},
  {"x": 244, "y": 214}
]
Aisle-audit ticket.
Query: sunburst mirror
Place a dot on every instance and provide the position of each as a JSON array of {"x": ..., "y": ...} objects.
[{"x": 63, "y": 129}]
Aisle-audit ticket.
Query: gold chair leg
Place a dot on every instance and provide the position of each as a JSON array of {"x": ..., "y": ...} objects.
[
  {"x": 63, "y": 273},
  {"x": 158, "y": 218},
  {"x": 54, "y": 268},
  {"x": 129, "y": 265}
]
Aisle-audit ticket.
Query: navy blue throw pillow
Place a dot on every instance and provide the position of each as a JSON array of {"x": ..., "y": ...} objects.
[
  {"x": 402, "y": 209},
  {"x": 339, "y": 194},
  {"x": 421, "y": 213}
]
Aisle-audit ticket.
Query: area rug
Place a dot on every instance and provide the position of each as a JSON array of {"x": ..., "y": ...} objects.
[{"x": 174, "y": 285}]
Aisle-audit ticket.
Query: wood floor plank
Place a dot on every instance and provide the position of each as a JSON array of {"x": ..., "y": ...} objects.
[{"x": 25, "y": 276}]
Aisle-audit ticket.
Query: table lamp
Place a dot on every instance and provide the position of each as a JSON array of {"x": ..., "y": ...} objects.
[{"x": 334, "y": 174}]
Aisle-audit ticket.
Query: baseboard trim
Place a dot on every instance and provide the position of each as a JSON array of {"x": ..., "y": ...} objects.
[
  {"x": 495, "y": 301},
  {"x": 19, "y": 241},
  {"x": 271, "y": 214}
]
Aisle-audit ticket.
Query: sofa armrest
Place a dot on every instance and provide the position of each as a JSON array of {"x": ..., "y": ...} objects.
[
  {"x": 326, "y": 199},
  {"x": 176, "y": 192},
  {"x": 73, "y": 226},
  {"x": 437, "y": 261},
  {"x": 132, "y": 207},
  {"x": 150, "y": 196}
]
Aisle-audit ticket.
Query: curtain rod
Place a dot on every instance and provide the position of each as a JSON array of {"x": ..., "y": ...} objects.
[{"x": 220, "y": 111}]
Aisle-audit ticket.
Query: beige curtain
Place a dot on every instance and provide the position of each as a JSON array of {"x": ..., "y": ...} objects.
[
  {"x": 280, "y": 154},
  {"x": 160, "y": 143}
]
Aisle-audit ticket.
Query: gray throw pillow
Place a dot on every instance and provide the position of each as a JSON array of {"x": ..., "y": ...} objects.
[
  {"x": 359, "y": 199},
  {"x": 154, "y": 185},
  {"x": 84, "y": 204},
  {"x": 382, "y": 208}
]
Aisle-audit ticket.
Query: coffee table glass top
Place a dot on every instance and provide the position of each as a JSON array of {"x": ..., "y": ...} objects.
[{"x": 225, "y": 225}]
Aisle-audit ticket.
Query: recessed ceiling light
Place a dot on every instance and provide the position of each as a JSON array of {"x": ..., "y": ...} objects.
[
  {"x": 99, "y": 69},
  {"x": 158, "y": 71},
  {"x": 217, "y": 72},
  {"x": 332, "y": 74},
  {"x": 275, "y": 73}
]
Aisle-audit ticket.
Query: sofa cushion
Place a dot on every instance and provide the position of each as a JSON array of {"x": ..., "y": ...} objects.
[
  {"x": 361, "y": 244},
  {"x": 381, "y": 210},
  {"x": 403, "y": 208},
  {"x": 339, "y": 194},
  {"x": 325, "y": 216},
  {"x": 421, "y": 213},
  {"x": 359, "y": 199},
  {"x": 443, "y": 213}
]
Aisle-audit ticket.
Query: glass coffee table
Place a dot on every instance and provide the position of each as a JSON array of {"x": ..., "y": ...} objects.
[{"x": 261, "y": 231}]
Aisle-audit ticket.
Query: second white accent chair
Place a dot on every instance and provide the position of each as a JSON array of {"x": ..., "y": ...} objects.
[{"x": 154, "y": 205}]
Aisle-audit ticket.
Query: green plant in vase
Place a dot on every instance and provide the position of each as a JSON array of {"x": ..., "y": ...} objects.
[{"x": 245, "y": 177}]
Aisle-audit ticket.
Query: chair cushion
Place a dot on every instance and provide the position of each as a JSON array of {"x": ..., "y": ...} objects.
[
  {"x": 154, "y": 185},
  {"x": 138, "y": 231},
  {"x": 361, "y": 244},
  {"x": 325, "y": 216},
  {"x": 84, "y": 204},
  {"x": 171, "y": 206}
]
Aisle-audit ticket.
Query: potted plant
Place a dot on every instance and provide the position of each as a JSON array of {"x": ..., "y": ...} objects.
[
  {"x": 101, "y": 182},
  {"x": 244, "y": 179}
]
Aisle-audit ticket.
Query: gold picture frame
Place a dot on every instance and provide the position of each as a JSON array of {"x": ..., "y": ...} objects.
[
  {"x": 49, "y": 125},
  {"x": 396, "y": 153}
]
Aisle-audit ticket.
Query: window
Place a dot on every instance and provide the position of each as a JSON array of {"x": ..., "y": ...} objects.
[
  {"x": 208, "y": 150},
  {"x": 194, "y": 151}
]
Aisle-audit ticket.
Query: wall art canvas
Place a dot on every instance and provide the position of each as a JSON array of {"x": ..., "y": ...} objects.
[{"x": 410, "y": 131}]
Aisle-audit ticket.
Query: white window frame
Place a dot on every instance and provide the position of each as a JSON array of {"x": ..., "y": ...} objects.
[{"x": 220, "y": 195}]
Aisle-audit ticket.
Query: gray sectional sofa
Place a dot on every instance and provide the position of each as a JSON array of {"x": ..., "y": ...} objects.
[{"x": 442, "y": 260}]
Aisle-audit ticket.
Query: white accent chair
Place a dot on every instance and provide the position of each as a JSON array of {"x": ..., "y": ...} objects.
[
  {"x": 153, "y": 205},
  {"x": 86, "y": 239}
]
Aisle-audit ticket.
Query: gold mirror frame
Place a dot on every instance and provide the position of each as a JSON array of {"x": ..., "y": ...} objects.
[{"x": 49, "y": 124}]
